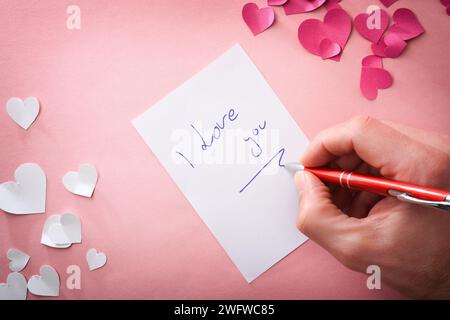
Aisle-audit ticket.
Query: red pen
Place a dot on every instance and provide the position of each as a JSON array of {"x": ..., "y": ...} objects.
[{"x": 403, "y": 191}]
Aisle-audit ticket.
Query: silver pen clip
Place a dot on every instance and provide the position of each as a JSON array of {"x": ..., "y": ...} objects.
[{"x": 402, "y": 196}]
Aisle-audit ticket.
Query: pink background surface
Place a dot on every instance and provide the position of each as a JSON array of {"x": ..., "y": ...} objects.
[{"x": 128, "y": 54}]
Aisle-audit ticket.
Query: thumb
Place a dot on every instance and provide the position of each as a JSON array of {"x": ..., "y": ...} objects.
[{"x": 319, "y": 218}]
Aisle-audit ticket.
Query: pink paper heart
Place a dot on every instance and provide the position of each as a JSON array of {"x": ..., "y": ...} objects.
[
  {"x": 394, "y": 45},
  {"x": 446, "y": 3},
  {"x": 388, "y": 3},
  {"x": 372, "y": 62},
  {"x": 406, "y": 25},
  {"x": 363, "y": 27},
  {"x": 257, "y": 19},
  {"x": 300, "y": 6},
  {"x": 329, "y": 49},
  {"x": 391, "y": 46},
  {"x": 336, "y": 26},
  {"x": 373, "y": 77},
  {"x": 276, "y": 2},
  {"x": 378, "y": 48}
]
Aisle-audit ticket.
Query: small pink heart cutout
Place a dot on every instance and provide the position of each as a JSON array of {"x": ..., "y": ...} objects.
[
  {"x": 406, "y": 25},
  {"x": 373, "y": 77},
  {"x": 391, "y": 46},
  {"x": 257, "y": 19},
  {"x": 336, "y": 26}
]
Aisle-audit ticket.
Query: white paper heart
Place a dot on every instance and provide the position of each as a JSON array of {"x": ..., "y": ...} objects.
[
  {"x": 68, "y": 230},
  {"x": 15, "y": 287},
  {"x": 23, "y": 112},
  {"x": 45, "y": 284},
  {"x": 45, "y": 238},
  {"x": 18, "y": 259},
  {"x": 95, "y": 259},
  {"x": 82, "y": 182},
  {"x": 27, "y": 194},
  {"x": 60, "y": 231}
]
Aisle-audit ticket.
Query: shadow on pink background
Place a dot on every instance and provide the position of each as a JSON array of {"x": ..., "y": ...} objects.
[{"x": 128, "y": 54}]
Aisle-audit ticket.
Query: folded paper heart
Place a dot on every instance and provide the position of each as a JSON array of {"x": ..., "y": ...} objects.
[
  {"x": 406, "y": 25},
  {"x": 27, "y": 194},
  {"x": 15, "y": 287},
  {"x": 45, "y": 237},
  {"x": 68, "y": 230},
  {"x": 61, "y": 231},
  {"x": 18, "y": 259},
  {"x": 379, "y": 48},
  {"x": 276, "y": 2},
  {"x": 372, "y": 62},
  {"x": 23, "y": 112},
  {"x": 391, "y": 46},
  {"x": 373, "y": 77},
  {"x": 394, "y": 45},
  {"x": 95, "y": 259},
  {"x": 329, "y": 49},
  {"x": 257, "y": 19},
  {"x": 388, "y": 3},
  {"x": 336, "y": 26},
  {"x": 46, "y": 284},
  {"x": 300, "y": 6},
  {"x": 372, "y": 26},
  {"x": 82, "y": 182}
]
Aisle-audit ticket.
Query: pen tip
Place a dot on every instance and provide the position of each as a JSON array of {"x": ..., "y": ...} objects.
[{"x": 294, "y": 167}]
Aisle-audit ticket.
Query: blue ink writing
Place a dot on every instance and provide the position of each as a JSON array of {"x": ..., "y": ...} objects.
[
  {"x": 279, "y": 153},
  {"x": 255, "y": 132},
  {"x": 259, "y": 150},
  {"x": 184, "y": 157},
  {"x": 231, "y": 115}
]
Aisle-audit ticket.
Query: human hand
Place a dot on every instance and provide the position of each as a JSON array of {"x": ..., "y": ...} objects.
[{"x": 410, "y": 243}]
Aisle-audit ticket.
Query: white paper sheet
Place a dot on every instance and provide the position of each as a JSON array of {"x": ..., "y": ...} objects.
[{"x": 213, "y": 135}]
